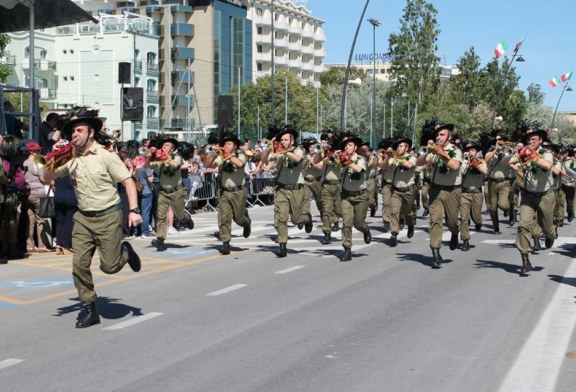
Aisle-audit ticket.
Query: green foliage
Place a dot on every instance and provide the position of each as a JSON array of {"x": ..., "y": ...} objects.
[
  {"x": 4, "y": 70},
  {"x": 535, "y": 94}
]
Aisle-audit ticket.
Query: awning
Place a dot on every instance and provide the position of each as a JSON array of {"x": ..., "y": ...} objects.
[{"x": 15, "y": 15}]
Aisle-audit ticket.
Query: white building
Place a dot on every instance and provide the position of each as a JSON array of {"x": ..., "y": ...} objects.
[
  {"x": 78, "y": 65},
  {"x": 298, "y": 40}
]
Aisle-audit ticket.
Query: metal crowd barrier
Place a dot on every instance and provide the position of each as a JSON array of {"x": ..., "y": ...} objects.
[
  {"x": 207, "y": 192},
  {"x": 262, "y": 184}
]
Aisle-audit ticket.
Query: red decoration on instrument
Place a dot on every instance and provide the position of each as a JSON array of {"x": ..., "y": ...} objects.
[{"x": 59, "y": 157}]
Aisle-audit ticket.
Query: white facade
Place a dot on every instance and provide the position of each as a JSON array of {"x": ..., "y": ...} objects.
[
  {"x": 78, "y": 65},
  {"x": 298, "y": 40}
]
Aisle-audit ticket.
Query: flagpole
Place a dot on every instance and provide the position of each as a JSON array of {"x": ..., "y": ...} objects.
[
  {"x": 558, "y": 104},
  {"x": 505, "y": 76}
]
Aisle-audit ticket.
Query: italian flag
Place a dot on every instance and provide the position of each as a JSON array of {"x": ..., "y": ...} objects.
[
  {"x": 565, "y": 77},
  {"x": 553, "y": 82},
  {"x": 501, "y": 48}
]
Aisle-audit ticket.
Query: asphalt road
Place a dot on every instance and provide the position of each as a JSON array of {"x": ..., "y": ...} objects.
[{"x": 193, "y": 320}]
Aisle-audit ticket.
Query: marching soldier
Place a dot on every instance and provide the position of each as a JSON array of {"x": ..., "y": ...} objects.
[
  {"x": 473, "y": 172},
  {"x": 386, "y": 186},
  {"x": 172, "y": 194},
  {"x": 445, "y": 192},
  {"x": 354, "y": 193},
  {"x": 312, "y": 175},
  {"x": 499, "y": 173},
  {"x": 537, "y": 195},
  {"x": 233, "y": 194},
  {"x": 331, "y": 189},
  {"x": 290, "y": 192},
  {"x": 371, "y": 177},
  {"x": 568, "y": 183},
  {"x": 403, "y": 184}
]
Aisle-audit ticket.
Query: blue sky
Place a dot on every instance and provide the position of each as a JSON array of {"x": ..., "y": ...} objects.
[{"x": 549, "y": 27}]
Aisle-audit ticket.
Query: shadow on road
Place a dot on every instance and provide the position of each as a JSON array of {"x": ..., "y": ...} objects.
[{"x": 109, "y": 308}]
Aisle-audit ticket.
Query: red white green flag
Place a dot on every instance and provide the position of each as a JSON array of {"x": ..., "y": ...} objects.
[
  {"x": 501, "y": 48},
  {"x": 553, "y": 82},
  {"x": 519, "y": 44},
  {"x": 565, "y": 77}
]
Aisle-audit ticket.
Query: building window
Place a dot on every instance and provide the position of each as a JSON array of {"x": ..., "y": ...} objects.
[
  {"x": 259, "y": 30},
  {"x": 259, "y": 48},
  {"x": 259, "y": 12},
  {"x": 259, "y": 66}
]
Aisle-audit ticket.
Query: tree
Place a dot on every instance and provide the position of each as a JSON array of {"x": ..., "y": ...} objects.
[
  {"x": 415, "y": 66},
  {"x": 535, "y": 94},
  {"x": 4, "y": 70},
  {"x": 466, "y": 85}
]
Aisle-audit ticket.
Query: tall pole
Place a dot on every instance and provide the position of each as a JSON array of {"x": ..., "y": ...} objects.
[
  {"x": 239, "y": 102},
  {"x": 286, "y": 99},
  {"x": 317, "y": 111},
  {"x": 384, "y": 118},
  {"x": 343, "y": 108},
  {"x": 558, "y": 104},
  {"x": 273, "y": 92},
  {"x": 375, "y": 23},
  {"x": 391, "y": 116}
]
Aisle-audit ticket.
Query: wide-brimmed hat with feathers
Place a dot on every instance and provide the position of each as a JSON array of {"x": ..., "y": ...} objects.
[
  {"x": 347, "y": 137},
  {"x": 276, "y": 132},
  {"x": 228, "y": 137}
]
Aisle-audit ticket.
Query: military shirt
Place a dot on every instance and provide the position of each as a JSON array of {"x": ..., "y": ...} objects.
[
  {"x": 332, "y": 170},
  {"x": 310, "y": 172},
  {"x": 472, "y": 178},
  {"x": 289, "y": 172},
  {"x": 497, "y": 170},
  {"x": 169, "y": 176},
  {"x": 402, "y": 176},
  {"x": 441, "y": 175},
  {"x": 230, "y": 175},
  {"x": 351, "y": 180},
  {"x": 95, "y": 175},
  {"x": 536, "y": 179}
]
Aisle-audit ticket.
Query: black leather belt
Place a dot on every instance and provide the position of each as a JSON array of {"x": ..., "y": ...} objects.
[
  {"x": 445, "y": 187},
  {"x": 97, "y": 214},
  {"x": 169, "y": 189},
  {"x": 331, "y": 182},
  {"x": 539, "y": 194},
  {"x": 498, "y": 179},
  {"x": 234, "y": 188},
  {"x": 353, "y": 193},
  {"x": 289, "y": 187},
  {"x": 471, "y": 189}
]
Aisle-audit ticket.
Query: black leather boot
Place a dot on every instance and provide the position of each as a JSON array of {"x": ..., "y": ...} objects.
[
  {"x": 247, "y": 230},
  {"x": 159, "y": 244},
  {"x": 91, "y": 317},
  {"x": 347, "y": 256},
  {"x": 512, "y": 217},
  {"x": 465, "y": 246},
  {"x": 281, "y": 252},
  {"x": 454, "y": 241},
  {"x": 410, "y": 233},
  {"x": 327, "y": 238},
  {"x": 367, "y": 236},
  {"x": 393, "y": 240},
  {"x": 225, "y": 248},
  {"x": 537, "y": 245},
  {"x": 436, "y": 258},
  {"x": 372, "y": 211},
  {"x": 133, "y": 258},
  {"x": 426, "y": 212},
  {"x": 549, "y": 242},
  {"x": 336, "y": 226},
  {"x": 308, "y": 226},
  {"x": 526, "y": 266}
]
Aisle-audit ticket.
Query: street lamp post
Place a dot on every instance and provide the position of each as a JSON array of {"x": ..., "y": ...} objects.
[{"x": 375, "y": 23}]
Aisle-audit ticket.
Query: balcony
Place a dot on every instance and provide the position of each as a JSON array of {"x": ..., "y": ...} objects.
[
  {"x": 152, "y": 96},
  {"x": 152, "y": 69},
  {"x": 178, "y": 123},
  {"x": 318, "y": 68},
  {"x": 280, "y": 61},
  {"x": 294, "y": 46},
  {"x": 281, "y": 42},
  {"x": 262, "y": 57},
  {"x": 280, "y": 26},
  {"x": 184, "y": 29},
  {"x": 184, "y": 100},
  {"x": 47, "y": 93},
  {"x": 138, "y": 66},
  {"x": 307, "y": 67},
  {"x": 319, "y": 52},
  {"x": 184, "y": 77},
  {"x": 296, "y": 30},
  {"x": 42, "y": 65},
  {"x": 307, "y": 50},
  {"x": 153, "y": 123},
  {"x": 8, "y": 60},
  {"x": 319, "y": 36},
  {"x": 294, "y": 63},
  {"x": 307, "y": 34},
  {"x": 182, "y": 53},
  {"x": 263, "y": 39},
  {"x": 262, "y": 21},
  {"x": 181, "y": 8}
]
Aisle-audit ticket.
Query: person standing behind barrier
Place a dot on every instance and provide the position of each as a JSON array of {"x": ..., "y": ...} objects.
[
  {"x": 354, "y": 193},
  {"x": 290, "y": 193},
  {"x": 48, "y": 132},
  {"x": 445, "y": 192},
  {"x": 403, "y": 184},
  {"x": 172, "y": 193},
  {"x": 473, "y": 172},
  {"x": 230, "y": 162},
  {"x": 65, "y": 206}
]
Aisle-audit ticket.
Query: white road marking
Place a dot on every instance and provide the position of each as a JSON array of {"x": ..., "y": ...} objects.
[
  {"x": 10, "y": 362},
  {"x": 131, "y": 322},
  {"x": 538, "y": 365},
  {"x": 227, "y": 290},
  {"x": 291, "y": 269}
]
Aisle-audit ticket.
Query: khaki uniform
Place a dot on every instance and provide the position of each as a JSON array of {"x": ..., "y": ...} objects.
[
  {"x": 312, "y": 177},
  {"x": 290, "y": 194},
  {"x": 425, "y": 188},
  {"x": 331, "y": 194},
  {"x": 233, "y": 195},
  {"x": 387, "y": 176},
  {"x": 536, "y": 202},
  {"x": 445, "y": 193},
  {"x": 567, "y": 188},
  {"x": 559, "y": 201},
  {"x": 354, "y": 200},
  {"x": 172, "y": 195},
  {"x": 98, "y": 223},
  {"x": 498, "y": 187},
  {"x": 372, "y": 188},
  {"x": 402, "y": 199},
  {"x": 472, "y": 199}
]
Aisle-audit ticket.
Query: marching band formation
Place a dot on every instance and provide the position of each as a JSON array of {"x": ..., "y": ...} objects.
[{"x": 448, "y": 179}]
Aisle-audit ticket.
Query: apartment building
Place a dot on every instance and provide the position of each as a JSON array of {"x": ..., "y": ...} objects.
[{"x": 298, "y": 39}]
